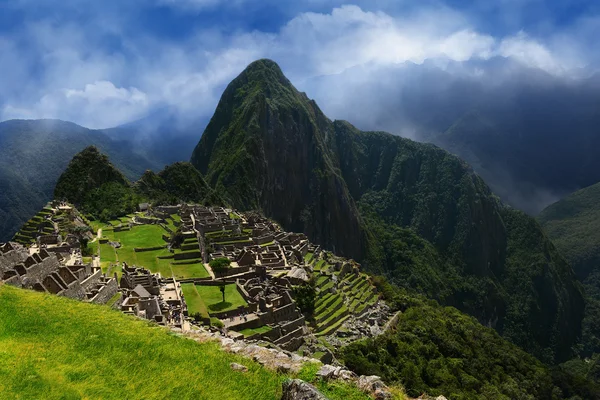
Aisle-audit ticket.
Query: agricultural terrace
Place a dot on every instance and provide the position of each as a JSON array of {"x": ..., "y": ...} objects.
[
  {"x": 353, "y": 295},
  {"x": 159, "y": 260},
  {"x": 205, "y": 300}
]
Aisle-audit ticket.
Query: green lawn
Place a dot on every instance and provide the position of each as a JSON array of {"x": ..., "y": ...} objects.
[
  {"x": 193, "y": 300},
  {"x": 250, "y": 332},
  {"x": 145, "y": 236},
  {"x": 107, "y": 253},
  {"x": 56, "y": 348},
  {"x": 212, "y": 297},
  {"x": 141, "y": 236},
  {"x": 195, "y": 270}
]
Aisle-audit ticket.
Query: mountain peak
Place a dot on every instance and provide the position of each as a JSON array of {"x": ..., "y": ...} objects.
[
  {"x": 88, "y": 170},
  {"x": 262, "y": 76}
]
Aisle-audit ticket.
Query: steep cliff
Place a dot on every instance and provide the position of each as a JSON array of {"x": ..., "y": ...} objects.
[{"x": 266, "y": 148}]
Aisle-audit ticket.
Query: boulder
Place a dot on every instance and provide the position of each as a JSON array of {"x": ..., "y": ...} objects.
[
  {"x": 374, "y": 386},
  {"x": 298, "y": 274},
  {"x": 238, "y": 367},
  {"x": 326, "y": 371},
  {"x": 296, "y": 389}
]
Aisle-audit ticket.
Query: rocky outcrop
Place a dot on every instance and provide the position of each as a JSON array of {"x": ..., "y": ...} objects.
[{"x": 296, "y": 389}]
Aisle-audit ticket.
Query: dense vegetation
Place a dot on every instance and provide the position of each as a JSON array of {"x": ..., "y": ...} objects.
[
  {"x": 410, "y": 210},
  {"x": 57, "y": 348},
  {"x": 96, "y": 187},
  {"x": 179, "y": 182},
  {"x": 573, "y": 224},
  {"x": 441, "y": 351},
  {"x": 33, "y": 155}
]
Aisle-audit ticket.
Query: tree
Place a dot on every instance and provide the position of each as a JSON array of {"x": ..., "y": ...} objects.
[
  {"x": 222, "y": 289},
  {"x": 220, "y": 264}
]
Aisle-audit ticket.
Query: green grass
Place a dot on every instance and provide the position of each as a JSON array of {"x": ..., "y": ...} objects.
[
  {"x": 107, "y": 253},
  {"x": 308, "y": 257},
  {"x": 211, "y": 295},
  {"x": 57, "y": 348},
  {"x": 193, "y": 300},
  {"x": 113, "y": 299},
  {"x": 142, "y": 236},
  {"x": 145, "y": 236},
  {"x": 254, "y": 331},
  {"x": 335, "y": 390},
  {"x": 195, "y": 270}
]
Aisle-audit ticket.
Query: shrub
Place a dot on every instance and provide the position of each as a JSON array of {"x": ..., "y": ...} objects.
[{"x": 220, "y": 264}]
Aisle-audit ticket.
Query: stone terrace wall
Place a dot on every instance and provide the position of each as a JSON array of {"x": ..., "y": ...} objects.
[{"x": 106, "y": 292}]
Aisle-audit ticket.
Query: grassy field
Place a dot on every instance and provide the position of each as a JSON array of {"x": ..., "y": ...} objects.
[
  {"x": 193, "y": 300},
  {"x": 212, "y": 297},
  {"x": 145, "y": 236},
  {"x": 141, "y": 236},
  {"x": 254, "y": 331},
  {"x": 56, "y": 348},
  {"x": 195, "y": 270}
]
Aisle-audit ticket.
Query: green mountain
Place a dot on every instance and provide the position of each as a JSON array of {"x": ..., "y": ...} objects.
[
  {"x": 177, "y": 182},
  {"x": 573, "y": 224},
  {"x": 410, "y": 210},
  {"x": 266, "y": 147},
  {"x": 34, "y": 153},
  {"x": 95, "y": 186}
]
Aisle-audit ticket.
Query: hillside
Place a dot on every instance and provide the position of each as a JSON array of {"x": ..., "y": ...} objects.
[
  {"x": 573, "y": 224},
  {"x": 439, "y": 350},
  {"x": 95, "y": 186},
  {"x": 55, "y": 348},
  {"x": 177, "y": 182},
  {"x": 270, "y": 147},
  {"x": 34, "y": 153}
]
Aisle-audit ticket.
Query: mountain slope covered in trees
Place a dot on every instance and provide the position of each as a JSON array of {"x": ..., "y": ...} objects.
[
  {"x": 573, "y": 224},
  {"x": 379, "y": 198}
]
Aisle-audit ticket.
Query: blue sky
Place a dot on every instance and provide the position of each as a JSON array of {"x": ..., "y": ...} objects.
[{"x": 104, "y": 63}]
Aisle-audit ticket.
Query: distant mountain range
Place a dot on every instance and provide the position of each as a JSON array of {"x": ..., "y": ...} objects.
[{"x": 33, "y": 154}]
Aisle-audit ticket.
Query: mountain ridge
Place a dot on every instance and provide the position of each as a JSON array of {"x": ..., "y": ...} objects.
[{"x": 270, "y": 147}]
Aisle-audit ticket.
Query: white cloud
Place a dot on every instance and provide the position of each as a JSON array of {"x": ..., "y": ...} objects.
[
  {"x": 79, "y": 79},
  {"x": 98, "y": 105},
  {"x": 532, "y": 53}
]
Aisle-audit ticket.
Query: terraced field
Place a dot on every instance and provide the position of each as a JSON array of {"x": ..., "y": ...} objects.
[
  {"x": 339, "y": 297},
  {"x": 144, "y": 237},
  {"x": 26, "y": 234}
]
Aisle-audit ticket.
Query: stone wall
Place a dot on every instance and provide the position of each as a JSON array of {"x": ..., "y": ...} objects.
[
  {"x": 92, "y": 281},
  {"x": 74, "y": 291},
  {"x": 106, "y": 292}
]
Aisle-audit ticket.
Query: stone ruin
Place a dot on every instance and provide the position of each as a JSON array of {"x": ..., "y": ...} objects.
[
  {"x": 64, "y": 275},
  {"x": 273, "y": 305},
  {"x": 150, "y": 296}
]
